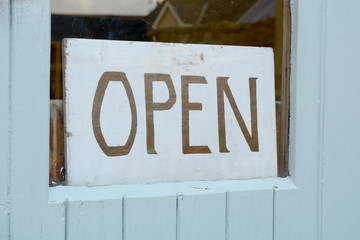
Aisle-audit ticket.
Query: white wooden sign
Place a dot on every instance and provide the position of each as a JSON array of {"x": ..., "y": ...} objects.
[{"x": 141, "y": 112}]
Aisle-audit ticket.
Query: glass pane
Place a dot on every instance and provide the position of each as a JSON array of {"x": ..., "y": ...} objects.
[{"x": 226, "y": 22}]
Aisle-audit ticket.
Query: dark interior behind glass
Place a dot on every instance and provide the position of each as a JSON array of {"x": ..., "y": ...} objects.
[{"x": 261, "y": 23}]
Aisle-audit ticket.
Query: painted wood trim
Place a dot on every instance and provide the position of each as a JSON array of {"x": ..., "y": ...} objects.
[
  {"x": 63, "y": 194},
  {"x": 250, "y": 215},
  {"x": 94, "y": 220},
  {"x": 176, "y": 210},
  {"x": 4, "y": 116},
  {"x": 30, "y": 54},
  {"x": 305, "y": 124},
  {"x": 53, "y": 224},
  {"x": 150, "y": 217},
  {"x": 202, "y": 216}
]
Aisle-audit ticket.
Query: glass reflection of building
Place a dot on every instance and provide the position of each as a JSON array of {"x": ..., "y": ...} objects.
[{"x": 226, "y": 22}]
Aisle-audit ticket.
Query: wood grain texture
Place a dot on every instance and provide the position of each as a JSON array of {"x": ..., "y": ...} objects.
[
  {"x": 341, "y": 156},
  {"x": 98, "y": 219},
  {"x": 4, "y": 116},
  {"x": 30, "y": 54},
  {"x": 201, "y": 216},
  {"x": 283, "y": 167},
  {"x": 56, "y": 143},
  {"x": 150, "y": 218},
  {"x": 250, "y": 215}
]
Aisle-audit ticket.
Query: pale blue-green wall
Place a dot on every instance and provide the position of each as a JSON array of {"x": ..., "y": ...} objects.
[
  {"x": 340, "y": 156},
  {"x": 318, "y": 201},
  {"x": 4, "y": 115}
]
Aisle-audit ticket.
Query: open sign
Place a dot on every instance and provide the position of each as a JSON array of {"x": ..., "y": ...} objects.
[
  {"x": 186, "y": 106},
  {"x": 150, "y": 112}
]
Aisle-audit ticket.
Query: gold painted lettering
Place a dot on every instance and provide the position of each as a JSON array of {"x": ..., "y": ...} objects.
[
  {"x": 151, "y": 106},
  {"x": 186, "y": 107},
  {"x": 98, "y": 99},
  {"x": 253, "y": 140}
]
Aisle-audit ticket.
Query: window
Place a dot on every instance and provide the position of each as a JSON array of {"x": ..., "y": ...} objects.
[{"x": 225, "y": 22}]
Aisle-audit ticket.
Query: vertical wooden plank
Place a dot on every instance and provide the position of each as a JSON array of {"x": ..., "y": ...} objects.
[
  {"x": 201, "y": 216},
  {"x": 283, "y": 168},
  {"x": 305, "y": 125},
  {"x": 250, "y": 215},
  {"x": 4, "y": 222},
  {"x": 284, "y": 214},
  {"x": 95, "y": 219},
  {"x": 4, "y": 115},
  {"x": 30, "y": 53},
  {"x": 150, "y": 218},
  {"x": 54, "y": 226},
  {"x": 341, "y": 155},
  {"x": 56, "y": 143}
]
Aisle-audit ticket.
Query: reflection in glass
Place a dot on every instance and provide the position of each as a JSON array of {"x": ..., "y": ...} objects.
[{"x": 225, "y": 22}]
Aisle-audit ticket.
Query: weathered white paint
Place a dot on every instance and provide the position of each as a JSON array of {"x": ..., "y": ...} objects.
[
  {"x": 318, "y": 201},
  {"x": 87, "y": 60}
]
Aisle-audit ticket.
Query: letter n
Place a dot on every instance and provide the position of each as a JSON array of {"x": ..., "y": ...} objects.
[{"x": 253, "y": 139}]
